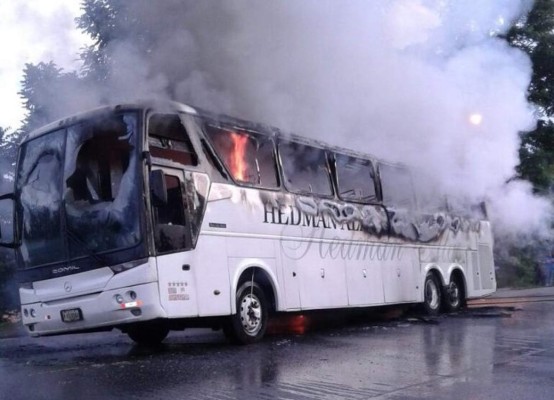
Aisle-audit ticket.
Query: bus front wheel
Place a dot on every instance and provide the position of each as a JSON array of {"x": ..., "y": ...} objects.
[
  {"x": 147, "y": 334},
  {"x": 249, "y": 323},
  {"x": 431, "y": 295}
]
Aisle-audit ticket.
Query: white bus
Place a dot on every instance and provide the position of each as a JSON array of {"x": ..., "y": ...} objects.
[{"x": 156, "y": 217}]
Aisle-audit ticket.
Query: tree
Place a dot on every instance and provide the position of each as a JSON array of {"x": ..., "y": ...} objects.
[
  {"x": 108, "y": 22},
  {"x": 42, "y": 89},
  {"x": 534, "y": 34}
]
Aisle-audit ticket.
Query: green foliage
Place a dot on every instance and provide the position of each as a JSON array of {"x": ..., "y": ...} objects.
[
  {"x": 535, "y": 36},
  {"x": 99, "y": 21},
  {"x": 109, "y": 22},
  {"x": 41, "y": 85},
  {"x": 536, "y": 156},
  {"x": 519, "y": 265}
]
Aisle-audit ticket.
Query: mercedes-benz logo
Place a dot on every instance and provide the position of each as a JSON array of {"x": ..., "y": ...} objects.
[{"x": 67, "y": 286}]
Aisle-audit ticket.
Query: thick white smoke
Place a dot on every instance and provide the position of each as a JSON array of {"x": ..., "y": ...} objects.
[{"x": 424, "y": 82}]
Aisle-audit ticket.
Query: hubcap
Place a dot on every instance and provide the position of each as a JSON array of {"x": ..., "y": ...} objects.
[
  {"x": 432, "y": 294},
  {"x": 251, "y": 314}
]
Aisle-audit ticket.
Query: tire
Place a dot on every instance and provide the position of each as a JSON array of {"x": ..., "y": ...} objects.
[
  {"x": 454, "y": 295},
  {"x": 431, "y": 295},
  {"x": 148, "y": 334},
  {"x": 249, "y": 323}
]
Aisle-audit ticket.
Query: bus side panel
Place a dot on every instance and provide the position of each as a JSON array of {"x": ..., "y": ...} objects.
[
  {"x": 177, "y": 285},
  {"x": 212, "y": 276},
  {"x": 322, "y": 281},
  {"x": 289, "y": 256},
  {"x": 365, "y": 282},
  {"x": 399, "y": 276}
]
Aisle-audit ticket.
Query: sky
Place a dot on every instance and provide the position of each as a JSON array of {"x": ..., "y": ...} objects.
[{"x": 32, "y": 31}]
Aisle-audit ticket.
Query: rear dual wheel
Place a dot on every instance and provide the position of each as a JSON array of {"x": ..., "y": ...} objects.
[
  {"x": 451, "y": 298},
  {"x": 454, "y": 296},
  {"x": 431, "y": 295}
]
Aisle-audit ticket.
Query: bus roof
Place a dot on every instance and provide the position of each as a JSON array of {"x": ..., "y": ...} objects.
[
  {"x": 174, "y": 106},
  {"x": 141, "y": 104}
]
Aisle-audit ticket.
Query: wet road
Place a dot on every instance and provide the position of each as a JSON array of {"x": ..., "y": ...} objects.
[{"x": 476, "y": 355}]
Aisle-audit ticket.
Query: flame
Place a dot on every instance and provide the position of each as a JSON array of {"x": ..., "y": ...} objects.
[
  {"x": 289, "y": 324},
  {"x": 237, "y": 159}
]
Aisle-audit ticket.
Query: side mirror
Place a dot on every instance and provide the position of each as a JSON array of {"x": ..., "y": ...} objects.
[
  {"x": 7, "y": 237},
  {"x": 158, "y": 188}
]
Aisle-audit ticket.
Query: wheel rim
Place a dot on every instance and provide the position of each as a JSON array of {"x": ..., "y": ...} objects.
[
  {"x": 251, "y": 314},
  {"x": 454, "y": 294},
  {"x": 432, "y": 294}
]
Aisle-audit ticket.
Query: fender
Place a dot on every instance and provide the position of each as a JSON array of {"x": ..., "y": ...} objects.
[{"x": 253, "y": 263}]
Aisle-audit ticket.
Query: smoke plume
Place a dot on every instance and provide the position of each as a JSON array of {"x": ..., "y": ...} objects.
[{"x": 425, "y": 82}]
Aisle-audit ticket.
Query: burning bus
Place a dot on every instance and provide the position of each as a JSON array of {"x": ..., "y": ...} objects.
[{"x": 156, "y": 217}]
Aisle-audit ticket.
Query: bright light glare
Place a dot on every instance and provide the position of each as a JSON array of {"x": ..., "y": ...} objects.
[{"x": 476, "y": 119}]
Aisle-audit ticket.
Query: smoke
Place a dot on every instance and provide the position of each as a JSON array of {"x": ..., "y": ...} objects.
[{"x": 425, "y": 82}]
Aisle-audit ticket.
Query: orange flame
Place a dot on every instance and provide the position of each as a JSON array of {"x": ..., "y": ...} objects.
[{"x": 237, "y": 159}]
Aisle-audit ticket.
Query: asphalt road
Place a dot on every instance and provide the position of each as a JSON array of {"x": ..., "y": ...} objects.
[{"x": 484, "y": 353}]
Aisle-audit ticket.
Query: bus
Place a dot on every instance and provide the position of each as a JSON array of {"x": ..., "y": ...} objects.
[{"x": 151, "y": 217}]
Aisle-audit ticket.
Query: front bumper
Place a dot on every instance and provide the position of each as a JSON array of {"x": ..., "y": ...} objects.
[{"x": 99, "y": 310}]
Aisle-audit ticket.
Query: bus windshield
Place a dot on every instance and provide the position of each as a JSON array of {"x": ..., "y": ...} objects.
[{"x": 79, "y": 186}]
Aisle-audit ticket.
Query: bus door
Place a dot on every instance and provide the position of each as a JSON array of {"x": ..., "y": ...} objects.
[{"x": 171, "y": 222}]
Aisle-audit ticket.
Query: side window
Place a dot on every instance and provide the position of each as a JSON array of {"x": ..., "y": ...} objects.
[
  {"x": 355, "y": 178},
  {"x": 168, "y": 138},
  {"x": 305, "y": 169},
  {"x": 396, "y": 183},
  {"x": 171, "y": 231},
  {"x": 248, "y": 157}
]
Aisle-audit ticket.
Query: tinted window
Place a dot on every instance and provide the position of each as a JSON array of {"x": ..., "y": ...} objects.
[
  {"x": 397, "y": 187},
  {"x": 305, "y": 169},
  {"x": 355, "y": 179},
  {"x": 248, "y": 157}
]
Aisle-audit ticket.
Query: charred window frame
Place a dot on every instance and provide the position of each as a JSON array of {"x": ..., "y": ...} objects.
[
  {"x": 257, "y": 167},
  {"x": 397, "y": 187},
  {"x": 305, "y": 169},
  {"x": 169, "y": 139},
  {"x": 355, "y": 179}
]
